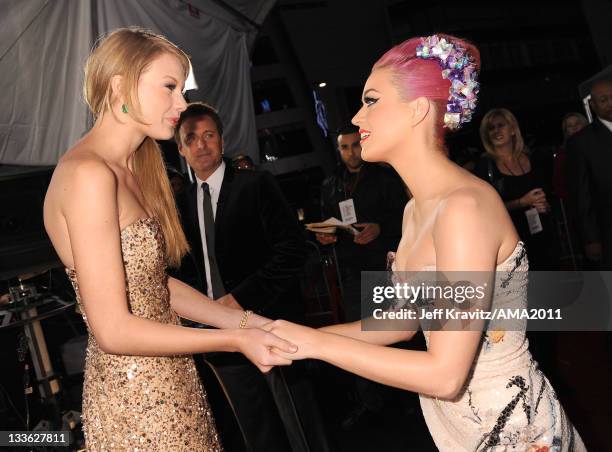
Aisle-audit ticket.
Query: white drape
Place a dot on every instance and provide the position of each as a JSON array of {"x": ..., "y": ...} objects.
[{"x": 44, "y": 44}]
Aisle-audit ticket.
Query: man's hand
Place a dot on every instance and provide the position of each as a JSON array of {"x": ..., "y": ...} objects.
[
  {"x": 229, "y": 301},
  {"x": 370, "y": 232},
  {"x": 326, "y": 239}
]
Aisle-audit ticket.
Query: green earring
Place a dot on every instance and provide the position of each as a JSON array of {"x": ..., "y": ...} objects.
[{"x": 124, "y": 108}]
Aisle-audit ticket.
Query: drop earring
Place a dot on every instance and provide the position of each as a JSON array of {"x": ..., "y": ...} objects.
[{"x": 124, "y": 108}]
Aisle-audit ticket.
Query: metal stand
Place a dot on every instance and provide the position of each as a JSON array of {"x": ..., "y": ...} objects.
[{"x": 24, "y": 306}]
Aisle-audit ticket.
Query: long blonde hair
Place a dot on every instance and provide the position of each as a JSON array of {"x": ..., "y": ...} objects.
[
  {"x": 518, "y": 144},
  {"x": 128, "y": 52}
]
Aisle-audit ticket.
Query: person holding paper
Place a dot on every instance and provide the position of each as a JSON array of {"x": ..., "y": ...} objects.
[
  {"x": 369, "y": 196},
  {"x": 372, "y": 198}
]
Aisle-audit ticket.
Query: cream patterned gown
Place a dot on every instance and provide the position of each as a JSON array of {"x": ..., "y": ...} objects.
[
  {"x": 507, "y": 404},
  {"x": 140, "y": 402}
]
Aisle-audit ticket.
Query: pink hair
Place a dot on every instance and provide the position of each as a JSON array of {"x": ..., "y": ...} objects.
[{"x": 416, "y": 77}]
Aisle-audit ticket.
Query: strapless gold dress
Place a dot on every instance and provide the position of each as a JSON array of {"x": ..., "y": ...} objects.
[{"x": 140, "y": 403}]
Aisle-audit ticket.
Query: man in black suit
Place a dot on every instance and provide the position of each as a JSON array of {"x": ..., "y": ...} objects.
[
  {"x": 589, "y": 163},
  {"x": 247, "y": 249}
]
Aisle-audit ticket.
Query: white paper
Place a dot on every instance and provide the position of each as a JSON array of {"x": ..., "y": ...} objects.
[
  {"x": 331, "y": 222},
  {"x": 533, "y": 220},
  {"x": 347, "y": 211}
]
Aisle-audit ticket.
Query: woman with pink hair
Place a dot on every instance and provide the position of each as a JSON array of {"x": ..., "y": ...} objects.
[{"x": 480, "y": 389}]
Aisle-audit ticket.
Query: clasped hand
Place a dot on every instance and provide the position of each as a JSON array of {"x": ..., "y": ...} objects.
[
  {"x": 265, "y": 349},
  {"x": 276, "y": 343},
  {"x": 303, "y": 337},
  {"x": 260, "y": 346}
]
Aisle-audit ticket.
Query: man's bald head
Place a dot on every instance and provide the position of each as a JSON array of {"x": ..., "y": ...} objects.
[{"x": 601, "y": 98}]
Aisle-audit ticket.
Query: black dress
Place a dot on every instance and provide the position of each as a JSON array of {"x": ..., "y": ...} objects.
[{"x": 542, "y": 247}]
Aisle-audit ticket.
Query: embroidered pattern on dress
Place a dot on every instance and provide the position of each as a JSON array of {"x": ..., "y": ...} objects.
[
  {"x": 517, "y": 262},
  {"x": 494, "y": 435}
]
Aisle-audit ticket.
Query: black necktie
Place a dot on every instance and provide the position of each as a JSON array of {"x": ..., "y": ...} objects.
[{"x": 209, "y": 228}]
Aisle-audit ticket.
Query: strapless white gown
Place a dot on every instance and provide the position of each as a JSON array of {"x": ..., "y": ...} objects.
[{"x": 507, "y": 404}]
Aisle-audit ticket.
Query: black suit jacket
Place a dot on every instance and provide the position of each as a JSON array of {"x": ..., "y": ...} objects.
[
  {"x": 589, "y": 165},
  {"x": 259, "y": 244}
]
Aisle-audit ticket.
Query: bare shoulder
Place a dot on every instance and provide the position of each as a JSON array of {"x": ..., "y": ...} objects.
[
  {"x": 477, "y": 202},
  {"x": 466, "y": 214},
  {"x": 82, "y": 167},
  {"x": 84, "y": 160},
  {"x": 81, "y": 176},
  {"x": 459, "y": 204},
  {"x": 470, "y": 226}
]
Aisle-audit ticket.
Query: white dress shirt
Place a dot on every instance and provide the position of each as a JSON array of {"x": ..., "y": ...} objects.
[{"x": 214, "y": 182}]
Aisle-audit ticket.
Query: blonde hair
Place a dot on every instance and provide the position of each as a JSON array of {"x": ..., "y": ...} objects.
[
  {"x": 518, "y": 144},
  {"x": 128, "y": 52}
]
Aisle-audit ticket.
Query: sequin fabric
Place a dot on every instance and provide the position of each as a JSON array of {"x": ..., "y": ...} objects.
[
  {"x": 507, "y": 404},
  {"x": 142, "y": 403}
]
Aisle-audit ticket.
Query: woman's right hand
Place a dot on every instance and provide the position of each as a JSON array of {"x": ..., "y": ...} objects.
[
  {"x": 533, "y": 198},
  {"x": 256, "y": 344}
]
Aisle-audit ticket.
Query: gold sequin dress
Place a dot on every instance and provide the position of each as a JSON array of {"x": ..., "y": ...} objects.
[{"x": 140, "y": 403}]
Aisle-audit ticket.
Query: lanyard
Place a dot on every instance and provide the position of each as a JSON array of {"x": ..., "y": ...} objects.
[
  {"x": 351, "y": 189},
  {"x": 510, "y": 171}
]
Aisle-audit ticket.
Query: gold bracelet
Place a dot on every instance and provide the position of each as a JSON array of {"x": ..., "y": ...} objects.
[{"x": 245, "y": 318}]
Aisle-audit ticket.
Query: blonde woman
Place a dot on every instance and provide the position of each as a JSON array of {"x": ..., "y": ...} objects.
[
  {"x": 523, "y": 185},
  {"x": 110, "y": 214}
]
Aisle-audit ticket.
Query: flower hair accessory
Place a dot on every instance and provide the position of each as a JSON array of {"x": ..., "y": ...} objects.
[{"x": 458, "y": 67}]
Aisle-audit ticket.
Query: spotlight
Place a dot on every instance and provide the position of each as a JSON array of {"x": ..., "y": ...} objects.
[{"x": 322, "y": 85}]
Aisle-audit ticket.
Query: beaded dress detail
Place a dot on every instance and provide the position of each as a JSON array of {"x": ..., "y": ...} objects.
[
  {"x": 506, "y": 404},
  {"x": 140, "y": 403}
]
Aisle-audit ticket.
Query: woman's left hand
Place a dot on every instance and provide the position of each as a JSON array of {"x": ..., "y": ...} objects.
[{"x": 304, "y": 337}]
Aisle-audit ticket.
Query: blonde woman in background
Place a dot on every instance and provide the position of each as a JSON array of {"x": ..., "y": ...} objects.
[
  {"x": 522, "y": 184},
  {"x": 110, "y": 214}
]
